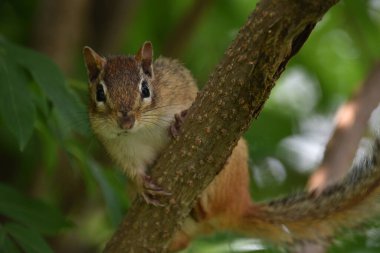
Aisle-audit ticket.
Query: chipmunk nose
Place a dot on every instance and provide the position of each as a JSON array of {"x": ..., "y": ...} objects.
[{"x": 126, "y": 119}]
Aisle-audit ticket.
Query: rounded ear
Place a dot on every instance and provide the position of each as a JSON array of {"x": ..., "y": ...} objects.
[
  {"x": 94, "y": 63},
  {"x": 145, "y": 57}
]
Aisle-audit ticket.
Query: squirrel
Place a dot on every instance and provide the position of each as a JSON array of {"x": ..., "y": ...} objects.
[{"x": 135, "y": 102}]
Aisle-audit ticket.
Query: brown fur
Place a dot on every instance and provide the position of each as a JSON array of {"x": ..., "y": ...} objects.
[{"x": 122, "y": 75}]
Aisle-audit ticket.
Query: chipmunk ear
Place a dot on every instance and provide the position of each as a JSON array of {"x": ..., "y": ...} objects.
[
  {"x": 94, "y": 63},
  {"x": 145, "y": 57}
]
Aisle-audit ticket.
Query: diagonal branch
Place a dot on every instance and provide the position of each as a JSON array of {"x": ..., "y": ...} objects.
[
  {"x": 351, "y": 122},
  {"x": 231, "y": 99}
]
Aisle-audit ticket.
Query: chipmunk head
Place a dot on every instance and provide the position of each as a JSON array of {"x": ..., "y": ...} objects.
[{"x": 120, "y": 89}]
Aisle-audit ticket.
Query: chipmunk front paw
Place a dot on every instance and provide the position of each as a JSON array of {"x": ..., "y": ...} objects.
[
  {"x": 151, "y": 191},
  {"x": 176, "y": 125}
]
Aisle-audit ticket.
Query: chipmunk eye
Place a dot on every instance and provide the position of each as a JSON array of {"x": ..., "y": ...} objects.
[
  {"x": 145, "y": 93},
  {"x": 100, "y": 95}
]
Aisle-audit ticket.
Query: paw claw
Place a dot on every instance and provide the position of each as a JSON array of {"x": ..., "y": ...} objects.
[
  {"x": 151, "y": 191},
  {"x": 150, "y": 200}
]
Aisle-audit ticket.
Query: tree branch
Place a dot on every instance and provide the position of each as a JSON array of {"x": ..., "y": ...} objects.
[{"x": 233, "y": 96}]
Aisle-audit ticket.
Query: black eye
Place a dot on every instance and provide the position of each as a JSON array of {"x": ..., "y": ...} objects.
[
  {"x": 145, "y": 93},
  {"x": 100, "y": 96}
]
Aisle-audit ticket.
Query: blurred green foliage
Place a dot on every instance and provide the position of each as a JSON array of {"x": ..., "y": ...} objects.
[{"x": 59, "y": 188}]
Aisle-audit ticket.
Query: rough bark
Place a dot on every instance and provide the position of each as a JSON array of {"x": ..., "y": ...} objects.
[{"x": 233, "y": 96}]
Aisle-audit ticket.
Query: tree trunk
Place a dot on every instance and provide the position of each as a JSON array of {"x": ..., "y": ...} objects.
[
  {"x": 58, "y": 30},
  {"x": 234, "y": 95},
  {"x": 109, "y": 21}
]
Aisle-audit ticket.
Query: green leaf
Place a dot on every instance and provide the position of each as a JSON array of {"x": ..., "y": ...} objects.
[
  {"x": 51, "y": 80},
  {"x": 2, "y": 236},
  {"x": 29, "y": 240},
  {"x": 9, "y": 246},
  {"x": 113, "y": 203},
  {"x": 30, "y": 212},
  {"x": 17, "y": 109},
  {"x": 364, "y": 28},
  {"x": 92, "y": 170},
  {"x": 6, "y": 243}
]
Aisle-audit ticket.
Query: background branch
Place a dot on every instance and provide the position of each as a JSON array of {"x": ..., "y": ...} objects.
[
  {"x": 233, "y": 96},
  {"x": 180, "y": 36},
  {"x": 108, "y": 23},
  {"x": 351, "y": 123},
  {"x": 58, "y": 29}
]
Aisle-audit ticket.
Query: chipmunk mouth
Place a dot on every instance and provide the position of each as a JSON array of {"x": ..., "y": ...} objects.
[
  {"x": 127, "y": 131},
  {"x": 126, "y": 121}
]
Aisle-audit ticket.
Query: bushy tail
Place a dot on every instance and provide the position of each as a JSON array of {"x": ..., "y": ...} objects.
[{"x": 306, "y": 216}]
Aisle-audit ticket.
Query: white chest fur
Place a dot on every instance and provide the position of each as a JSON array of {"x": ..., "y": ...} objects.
[{"x": 134, "y": 152}]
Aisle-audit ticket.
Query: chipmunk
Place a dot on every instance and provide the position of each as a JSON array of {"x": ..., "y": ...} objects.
[
  {"x": 135, "y": 100},
  {"x": 132, "y": 104}
]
